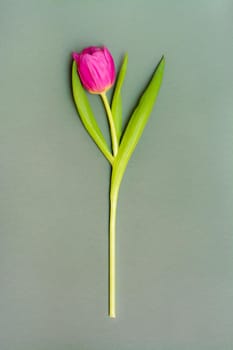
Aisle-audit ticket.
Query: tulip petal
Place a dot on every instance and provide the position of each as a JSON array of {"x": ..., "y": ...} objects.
[
  {"x": 90, "y": 50},
  {"x": 75, "y": 56},
  {"x": 93, "y": 74},
  {"x": 96, "y": 69}
]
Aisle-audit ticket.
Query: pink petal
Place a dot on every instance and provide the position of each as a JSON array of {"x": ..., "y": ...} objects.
[
  {"x": 90, "y": 50},
  {"x": 75, "y": 56}
]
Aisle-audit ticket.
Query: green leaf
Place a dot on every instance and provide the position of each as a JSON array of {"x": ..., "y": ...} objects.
[
  {"x": 116, "y": 106},
  {"x": 136, "y": 126},
  {"x": 86, "y": 114}
]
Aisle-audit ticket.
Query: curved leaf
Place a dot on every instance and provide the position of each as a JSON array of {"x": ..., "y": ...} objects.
[
  {"x": 86, "y": 114},
  {"x": 116, "y": 106},
  {"x": 136, "y": 126}
]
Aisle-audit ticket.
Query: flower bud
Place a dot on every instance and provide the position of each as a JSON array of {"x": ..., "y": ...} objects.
[{"x": 96, "y": 69}]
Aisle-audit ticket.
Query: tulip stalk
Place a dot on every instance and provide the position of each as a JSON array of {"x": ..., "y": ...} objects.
[
  {"x": 112, "y": 216},
  {"x": 111, "y": 123},
  {"x": 112, "y": 255},
  {"x": 94, "y": 70}
]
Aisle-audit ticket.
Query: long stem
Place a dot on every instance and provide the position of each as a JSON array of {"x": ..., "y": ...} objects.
[
  {"x": 111, "y": 124},
  {"x": 112, "y": 253},
  {"x": 112, "y": 219}
]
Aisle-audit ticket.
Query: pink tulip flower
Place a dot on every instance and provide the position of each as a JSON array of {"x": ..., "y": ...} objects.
[{"x": 96, "y": 69}]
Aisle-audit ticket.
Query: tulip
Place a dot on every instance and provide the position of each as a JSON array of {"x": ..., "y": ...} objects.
[{"x": 96, "y": 69}]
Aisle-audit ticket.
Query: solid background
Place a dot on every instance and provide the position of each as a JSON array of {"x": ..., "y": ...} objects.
[{"x": 174, "y": 223}]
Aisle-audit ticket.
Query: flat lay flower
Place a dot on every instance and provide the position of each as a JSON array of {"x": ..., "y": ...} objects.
[
  {"x": 93, "y": 69},
  {"x": 96, "y": 69}
]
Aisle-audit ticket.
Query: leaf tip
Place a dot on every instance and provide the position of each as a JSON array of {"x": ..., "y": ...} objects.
[
  {"x": 161, "y": 64},
  {"x": 162, "y": 59}
]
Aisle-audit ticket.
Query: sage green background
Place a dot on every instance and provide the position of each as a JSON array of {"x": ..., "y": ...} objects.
[{"x": 174, "y": 225}]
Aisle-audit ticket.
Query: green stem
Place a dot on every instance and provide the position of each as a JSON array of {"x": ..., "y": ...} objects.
[
  {"x": 112, "y": 218},
  {"x": 111, "y": 124},
  {"x": 112, "y": 251}
]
